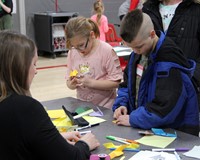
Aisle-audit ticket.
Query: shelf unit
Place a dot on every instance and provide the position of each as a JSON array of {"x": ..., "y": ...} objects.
[{"x": 49, "y": 31}]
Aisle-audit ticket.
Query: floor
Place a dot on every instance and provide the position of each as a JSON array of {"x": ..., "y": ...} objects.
[{"x": 50, "y": 83}]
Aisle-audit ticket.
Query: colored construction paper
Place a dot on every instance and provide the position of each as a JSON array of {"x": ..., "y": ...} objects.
[
  {"x": 62, "y": 124},
  {"x": 80, "y": 110},
  {"x": 73, "y": 73},
  {"x": 97, "y": 113},
  {"x": 93, "y": 120},
  {"x": 129, "y": 146},
  {"x": 156, "y": 141},
  {"x": 161, "y": 132},
  {"x": 118, "y": 152},
  {"x": 64, "y": 121},
  {"x": 56, "y": 113}
]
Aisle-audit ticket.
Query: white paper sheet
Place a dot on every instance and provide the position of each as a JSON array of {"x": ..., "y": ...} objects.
[
  {"x": 150, "y": 155},
  {"x": 194, "y": 152}
]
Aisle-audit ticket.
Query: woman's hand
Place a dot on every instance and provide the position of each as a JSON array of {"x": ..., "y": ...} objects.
[
  {"x": 91, "y": 140},
  {"x": 71, "y": 137},
  {"x": 74, "y": 136}
]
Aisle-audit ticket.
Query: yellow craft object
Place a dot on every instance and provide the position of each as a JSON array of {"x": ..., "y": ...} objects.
[
  {"x": 133, "y": 146},
  {"x": 110, "y": 145},
  {"x": 114, "y": 121},
  {"x": 61, "y": 121},
  {"x": 73, "y": 73},
  {"x": 63, "y": 124},
  {"x": 118, "y": 152},
  {"x": 58, "y": 113},
  {"x": 119, "y": 148},
  {"x": 128, "y": 146}
]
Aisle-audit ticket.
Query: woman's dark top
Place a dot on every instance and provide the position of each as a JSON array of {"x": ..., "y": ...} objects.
[{"x": 27, "y": 133}]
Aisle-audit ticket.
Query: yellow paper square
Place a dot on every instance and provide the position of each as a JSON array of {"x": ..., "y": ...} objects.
[
  {"x": 56, "y": 113},
  {"x": 156, "y": 141},
  {"x": 93, "y": 120}
]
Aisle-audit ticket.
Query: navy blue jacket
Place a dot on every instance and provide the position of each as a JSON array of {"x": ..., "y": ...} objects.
[{"x": 166, "y": 96}]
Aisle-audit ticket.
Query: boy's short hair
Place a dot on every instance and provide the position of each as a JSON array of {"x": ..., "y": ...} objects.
[{"x": 131, "y": 25}]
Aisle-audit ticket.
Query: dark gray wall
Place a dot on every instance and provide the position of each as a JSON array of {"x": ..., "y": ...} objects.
[
  {"x": 16, "y": 25},
  {"x": 15, "y": 16},
  {"x": 84, "y": 7}
]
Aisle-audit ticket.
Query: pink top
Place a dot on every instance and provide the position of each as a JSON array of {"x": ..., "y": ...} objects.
[
  {"x": 102, "y": 64},
  {"x": 103, "y": 28}
]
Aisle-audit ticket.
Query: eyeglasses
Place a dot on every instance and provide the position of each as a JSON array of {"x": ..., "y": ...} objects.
[{"x": 82, "y": 47}]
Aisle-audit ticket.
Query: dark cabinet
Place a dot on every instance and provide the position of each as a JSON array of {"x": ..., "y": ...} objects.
[{"x": 49, "y": 31}]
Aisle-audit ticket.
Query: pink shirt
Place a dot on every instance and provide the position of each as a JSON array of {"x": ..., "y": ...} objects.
[
  {"x": 102, "y": 64},
  {"x": 103, "y": 28}
]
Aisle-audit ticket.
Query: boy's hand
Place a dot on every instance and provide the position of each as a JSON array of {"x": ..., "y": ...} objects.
[
  {"x": 123, "y": 120},
  {"x": 122, "y": 110}
]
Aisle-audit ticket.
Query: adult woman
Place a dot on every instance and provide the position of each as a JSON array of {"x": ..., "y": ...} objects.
[{"x": 26, "y": 130}]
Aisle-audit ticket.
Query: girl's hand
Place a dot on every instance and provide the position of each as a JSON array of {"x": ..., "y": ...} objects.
[
  {"x": 72, "y": 82},
  {"x": 84, "y": 81}
]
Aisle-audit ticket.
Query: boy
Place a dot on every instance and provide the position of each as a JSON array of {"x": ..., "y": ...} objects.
[{"x": 165, "y": 96}]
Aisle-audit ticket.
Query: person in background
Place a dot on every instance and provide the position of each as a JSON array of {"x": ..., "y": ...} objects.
[
  {"x": 6, "y": 7},
  {"x": 97, "y": 64},
  {"x": 26, "y": 130},
  {"x": 180, "y": 21},
  {"x": 157, "y": 91},
  {"x": 100, "y": 19},
  {"x": 128, "y": 5}
]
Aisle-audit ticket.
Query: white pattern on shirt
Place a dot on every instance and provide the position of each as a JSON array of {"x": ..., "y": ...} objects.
[{"x": 167, "y": 13}]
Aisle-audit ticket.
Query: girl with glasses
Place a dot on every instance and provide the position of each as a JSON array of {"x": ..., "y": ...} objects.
[{"x": 97, "y": 64}]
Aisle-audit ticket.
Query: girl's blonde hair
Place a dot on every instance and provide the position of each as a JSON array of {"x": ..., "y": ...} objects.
[
  {"x": 98, "y": 8},
  {"x": 80, "y": 26}
]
